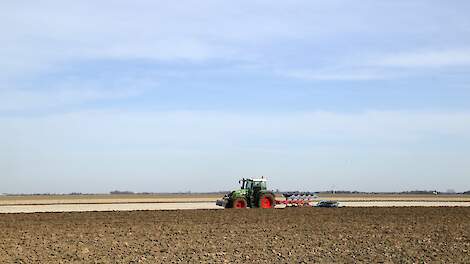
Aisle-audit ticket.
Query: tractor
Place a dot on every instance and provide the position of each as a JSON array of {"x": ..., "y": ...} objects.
[{"x": 253, "y": 194}]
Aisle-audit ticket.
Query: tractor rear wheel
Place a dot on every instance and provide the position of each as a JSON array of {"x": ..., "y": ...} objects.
[
  {"x": 239, "y": 203},
  {"x": 266, "y": 201}
]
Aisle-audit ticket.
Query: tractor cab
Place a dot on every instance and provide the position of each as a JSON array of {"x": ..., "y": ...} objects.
[
  {"x": 253, "y": 187},
  {"x": 253, "y": 184}
]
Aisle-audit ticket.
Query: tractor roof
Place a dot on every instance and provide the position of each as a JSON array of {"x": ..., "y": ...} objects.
[{"x": 259, "y": 180}]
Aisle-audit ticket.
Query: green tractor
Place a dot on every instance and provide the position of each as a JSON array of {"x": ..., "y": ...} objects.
[{"x": 253, "y": 194}]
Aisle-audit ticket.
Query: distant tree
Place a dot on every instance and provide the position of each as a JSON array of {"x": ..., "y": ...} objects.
[
  {"x": 121, "y": 192},
  {"x": 419, "y": 192}
]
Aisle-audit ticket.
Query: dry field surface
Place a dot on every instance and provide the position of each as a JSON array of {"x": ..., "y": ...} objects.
[
  {"x": 296, "y": 235},
  {"x": 86, "y": 207},
  {"x": 106, "y": 199},
  {"x": 186, "y": 198},
  {"x": 396, "y": 197},
  {"x": 87, "y": 203}
]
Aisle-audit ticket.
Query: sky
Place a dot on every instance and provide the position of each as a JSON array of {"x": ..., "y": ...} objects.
[{"x": 176, "y": 96}]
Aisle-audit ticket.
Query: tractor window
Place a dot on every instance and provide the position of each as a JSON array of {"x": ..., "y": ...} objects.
[
  {"x": 260, "y": 184},
  {"x": 248, "y": 185}
]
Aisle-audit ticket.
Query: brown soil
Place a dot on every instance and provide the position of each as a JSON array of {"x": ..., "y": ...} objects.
[{"x": 295, "y": 235}]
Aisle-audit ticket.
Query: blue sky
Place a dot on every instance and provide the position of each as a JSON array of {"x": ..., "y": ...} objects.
[{"x": 158, "y": 96}]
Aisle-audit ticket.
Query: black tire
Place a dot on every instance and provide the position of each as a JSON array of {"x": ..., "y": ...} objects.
[
  {"x": 239, "y": 203},
  {"x": 266, "y": 201}
]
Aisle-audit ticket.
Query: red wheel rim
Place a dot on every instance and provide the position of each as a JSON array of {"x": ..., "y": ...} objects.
[
  {"x": 266, "y": 202},
  {"x": 239, "y": 204}
]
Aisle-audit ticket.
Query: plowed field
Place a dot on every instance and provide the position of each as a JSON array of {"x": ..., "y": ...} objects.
[{"x": 295, "y": 235}]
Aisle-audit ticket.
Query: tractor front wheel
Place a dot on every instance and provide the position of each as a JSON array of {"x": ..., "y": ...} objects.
[
  {"x": 239, "y": 203},
  {"x": 267, "y": 201}
]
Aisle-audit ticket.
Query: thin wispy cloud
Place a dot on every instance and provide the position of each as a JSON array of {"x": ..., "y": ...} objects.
[
  {"x": 426, "y": 59},
  {"x": 351, "y": 74},
  {"x": 21, "y": 100},
  {"x": 386, "y": 66}
]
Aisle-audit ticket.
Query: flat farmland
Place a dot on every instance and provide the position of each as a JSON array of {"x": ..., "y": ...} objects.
[
  {"x": 86, "y": 203},
  {"x": 188, "y": 198},
  {"x": 396, "y": 197},
  {"x": 106, "y": 199},
  {"x": 292, "y": 235}
]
